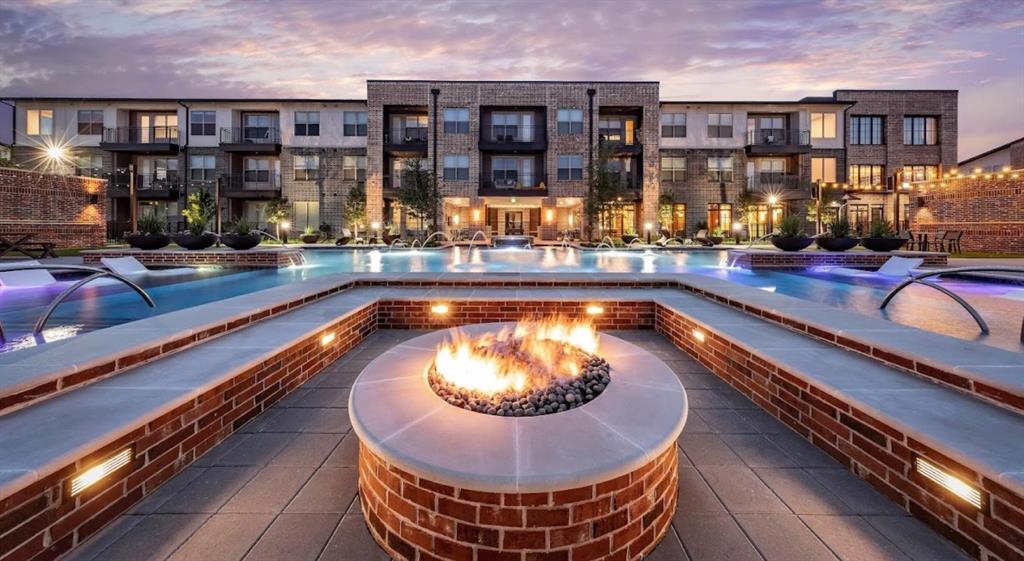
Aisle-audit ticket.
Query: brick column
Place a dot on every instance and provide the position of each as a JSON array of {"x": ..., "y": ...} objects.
[{"x": 548, "y": 229}]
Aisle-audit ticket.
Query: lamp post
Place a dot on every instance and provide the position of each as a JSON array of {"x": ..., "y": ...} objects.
[
  {"x": 133, "y": 199},
  {"x": 647, "y": 227},
  {"x": 772, "y": 201},
  {"x": 284, "y": 232},
  {"x": 375, "y": 226},
  {"x": 737, "y": 231}
]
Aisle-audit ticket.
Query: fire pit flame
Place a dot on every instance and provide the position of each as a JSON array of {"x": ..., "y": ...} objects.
[{"x": 521, "y": 365}]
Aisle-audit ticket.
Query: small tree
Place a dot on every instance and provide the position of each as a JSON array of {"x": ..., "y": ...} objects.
[
  {"x": 665, "y": 204},
  {"x": 277, "y": 211},
  {"x": 603, "y": 188},
  {"x": 199, "y": 208},
  {"x": 746, "y": 202},
  {"x": 418, "y": 192},
  {"x": 825, "y": 212},
  {"x": 354, "y": 211}
]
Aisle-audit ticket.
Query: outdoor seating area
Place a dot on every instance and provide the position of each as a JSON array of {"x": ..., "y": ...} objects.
[{"x": 27, "y": 245}]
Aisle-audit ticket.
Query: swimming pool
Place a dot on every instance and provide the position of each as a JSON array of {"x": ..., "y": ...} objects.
[{"x": 103, "y": 306}]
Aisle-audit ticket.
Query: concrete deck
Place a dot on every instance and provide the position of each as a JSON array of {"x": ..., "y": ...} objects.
[{"x": 284, "y": 488}]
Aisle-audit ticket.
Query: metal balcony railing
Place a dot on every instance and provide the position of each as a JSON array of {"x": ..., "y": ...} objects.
[
  {"x": 253, "y": 181},
  {"x": 141, "y": 135},
  {"x": 512, "y": 181},
  {"x": 618, "y": 136},
  {"x": 773, "y": 181},
  {"x": 406, "y": 135},
  {"x": 778, "y": 137},
  {"x": 250, "y": 135},
  {"x": 512, "y": 133}
]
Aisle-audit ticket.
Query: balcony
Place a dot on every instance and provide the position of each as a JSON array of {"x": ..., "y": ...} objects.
[
  {"x": 513, "y": 139},
  {"x": 775, "y": 182},
  {"x": 513, "y": 186},
  {"x": 147, "y": 187},
  {"x": 141, "y": 140},
  {"x": 252, "y": 185},
  {"x": 251, "y": 140},
  {"x": 619, "y": 143},
  {"x": 778, "y": 141},
  {"x": 406, "y": 140}
]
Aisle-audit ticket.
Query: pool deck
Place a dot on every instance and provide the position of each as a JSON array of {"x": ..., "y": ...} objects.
[{"x": 284, "y": 487}]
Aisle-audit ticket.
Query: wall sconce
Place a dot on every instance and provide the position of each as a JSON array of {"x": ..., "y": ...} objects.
[
  {"x": 550, "y": 214},
  {"x": 439, "y": 309},
  {"x": 327, "y": 339},
  {"x": 595, "y": 310},
  {"x": 476, "y": 215},
  {"x": 94, "y": 199}
]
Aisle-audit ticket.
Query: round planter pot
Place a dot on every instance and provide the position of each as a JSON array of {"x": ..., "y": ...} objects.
[
  {"x": 312, "y": 238},
  {"x": 791, "y": 244},
  {"x": 192, "y": 241},
  {"x": 148, "y": 242},
  {"x": 883, "y": 244},
  {"x": 837, "y": 244},
  {"x": 716, "y": 239},
  {"x": 241, "y": 241}
]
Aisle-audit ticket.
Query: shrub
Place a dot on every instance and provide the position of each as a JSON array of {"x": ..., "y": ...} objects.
[
  {"x": 198, "y": 210},
  {"x": 791, "y": 227},
  {"x": 240, "y": 227},
  {"x": 151, "y": 225},
  {"x": 881, "y": 229},
  {"x": 839, "y": 228}
]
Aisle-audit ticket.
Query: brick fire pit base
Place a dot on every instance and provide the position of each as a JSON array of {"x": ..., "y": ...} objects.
[{"x": 438, "y": 482}]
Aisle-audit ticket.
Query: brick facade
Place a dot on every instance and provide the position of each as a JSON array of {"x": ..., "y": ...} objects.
[
  {"x": 56, "y": 208},
  {"x": 623, "y": 518},
  {"x": 988, "y": 209}
]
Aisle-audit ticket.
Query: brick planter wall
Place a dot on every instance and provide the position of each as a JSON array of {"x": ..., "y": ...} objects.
[
  {"x": 55, "y": 208},
  {"x": 413, "y": 518},
  {"x": 42, "y": 521},
  {"x": 798, "y": 260},
  {"x": 990, "y": 212},
  {"x": 416, "y": 314},
  {"x": 225, "y": 257},
  {"x": 872, "y": 449}
]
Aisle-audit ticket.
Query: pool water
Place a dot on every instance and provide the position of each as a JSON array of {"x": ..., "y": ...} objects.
[{"x": 97, "y": 307}]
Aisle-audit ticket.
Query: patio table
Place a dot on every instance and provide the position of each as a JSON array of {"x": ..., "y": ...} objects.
[{"x": 22, "y": 244}]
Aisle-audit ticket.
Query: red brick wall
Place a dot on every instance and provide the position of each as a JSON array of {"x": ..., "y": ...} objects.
[
  {"x": 868, "y": 446},
  {"x": 623, "y": 518},
  {"x": 416, "y": 314},
  {"x": 42, "y": 521},
  {"x": 54, "y": 207},
  {"x": 990, "y": 212}
]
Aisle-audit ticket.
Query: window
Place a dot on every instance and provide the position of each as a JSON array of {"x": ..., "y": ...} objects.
[
  {"x": 355, "y": 123},
  {"x": 353, "y": 168},
  {"x": 257, "y": 127},
  {"x": 305, "y": 214},
  {"x": 719, "y": 217},
  {"x": 771, "y": 171},
  {"x": 570, "y": 121},
  {"x": 823, "y": 169},
  {"x": 823, "y": 125},
  {"x": 202, "y": 168},
  {"x": 511, "y": 172},
  {"x": 920, "y": 130},
  {"x": 679, "y": 219},
  {"x": 39, "y": 122},
  {"x": 719, "y": 125},
  {"x": 866, "y": 176},
  {"x": 408, "y": 128},
  {"x": 204, "y": 123},
  {"x": 610, "y": 129},
  {"x": 456, "y": 167},
  {"x": 257, "y": 170},
  {"x": 456, "y": 120},
  {"x": 88, "y": 165},
  {"x": 570, "y": 168},
  {"x": 307, "y": 123},
  {"x": 920, "y": 173},
  {"x": 90, "y": 121},
  {"x": 866, "y": 130},
  {"x": 306, "y": 167},
  {"x": 157, "y": 171},
  {"x": 673, "y": 168},
  {"x": 720, "y": 169},
  {"x": 673, "y": 125}
]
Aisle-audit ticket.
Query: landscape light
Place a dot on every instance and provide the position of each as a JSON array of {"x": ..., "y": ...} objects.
[
  {"x": 773, "y": 199},
  {"x": 327, "y": 339},
  {"x": 56, "y": 153},
  {"x": 698, "y": 335},
  {"x": 948, "y": 481},
  {"x": 375, "y": 225},
  {"x": 285, "y": 225},
  {"x": 96, "y": 473}
]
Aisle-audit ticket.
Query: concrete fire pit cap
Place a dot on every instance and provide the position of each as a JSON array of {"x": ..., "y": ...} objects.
[{"x": 398, "y": 416}]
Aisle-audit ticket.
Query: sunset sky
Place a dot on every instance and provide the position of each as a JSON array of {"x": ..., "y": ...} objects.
[{"x": 714, "y": 50}]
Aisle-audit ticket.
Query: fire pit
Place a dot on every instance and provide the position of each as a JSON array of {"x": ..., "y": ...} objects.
[{"x": 592, "y": 477}]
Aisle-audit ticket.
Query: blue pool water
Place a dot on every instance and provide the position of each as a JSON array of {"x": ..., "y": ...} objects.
[{"x": 103, "y": 306}]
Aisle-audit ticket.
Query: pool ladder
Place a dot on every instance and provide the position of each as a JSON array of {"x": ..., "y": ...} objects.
[
  {"x": 96, "y": 273},
  {"x": 920, "y": 279}
]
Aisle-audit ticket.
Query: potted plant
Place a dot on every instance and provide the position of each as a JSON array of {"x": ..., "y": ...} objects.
[
  {"x": 150, "y": 234},
  {"x": 241, "y": 235},
  {"x": 717, "y": 236},
  {"x": 791, "y": 235},
  {"x": 309, "y": 235},
  {"x": 197, "y": 213},
  {"x": 881, "y": 237},
  {"x": 838, "y": 236}
]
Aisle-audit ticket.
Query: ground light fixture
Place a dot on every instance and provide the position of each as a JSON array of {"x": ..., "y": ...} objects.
[
  {"x": 87, "y": 478},
  {"x": 439, "y": 309},
  {"x": 327, "y": 339},
  {"x": 936, "y": 474},
  {"x": 698, "y": 335},
  {"x": 595, "y": 310}
]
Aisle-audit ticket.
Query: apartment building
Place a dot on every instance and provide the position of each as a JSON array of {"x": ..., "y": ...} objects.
[{"x": 510, "y": 157}]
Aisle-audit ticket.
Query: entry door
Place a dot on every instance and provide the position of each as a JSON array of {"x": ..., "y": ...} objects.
[{"x": 514, "y": 222}]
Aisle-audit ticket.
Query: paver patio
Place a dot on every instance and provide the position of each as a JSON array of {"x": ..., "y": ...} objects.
[{"x": 284, "y": 487}]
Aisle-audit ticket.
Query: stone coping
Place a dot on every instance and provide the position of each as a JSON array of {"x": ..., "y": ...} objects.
[
  {"x": 258, "y": 257},
  {"x": 399, "y": 417},
  {"x": 758, "y": 259}
]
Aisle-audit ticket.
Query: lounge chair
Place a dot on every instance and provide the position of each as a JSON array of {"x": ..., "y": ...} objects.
[
  {"x": 702, "y": 238},
  {"x": 895, "y": 267},
  {"x": 131, "y": 267},
  {"x": 24, "y": 279},
  {"x": 344, "y": 238}
]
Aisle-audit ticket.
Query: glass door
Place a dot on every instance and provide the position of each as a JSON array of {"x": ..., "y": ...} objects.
[{"x": 514, "y": 222}]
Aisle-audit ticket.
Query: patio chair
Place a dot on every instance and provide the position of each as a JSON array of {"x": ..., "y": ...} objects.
[
  {"x": 940, "y": 241},
  {"x": 24, "y": 279},
  {"x": 954, "y": 243},
  {"x": 702, "y": 238},
  {"x": 130, "y": 266},
  {"x": 344, "y": 238}
]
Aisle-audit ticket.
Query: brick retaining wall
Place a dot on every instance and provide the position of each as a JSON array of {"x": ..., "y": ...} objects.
[
  {"x": 621, "y": 519},
  {"x": 872, "y": 449},
  {"x": 56, "y": 208},
  {"x": 757, "y": 260},
  {"x": 42, "y": 521},
  {"x": 226, "y": 257},
  {"x": 990, "y": 212}
]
